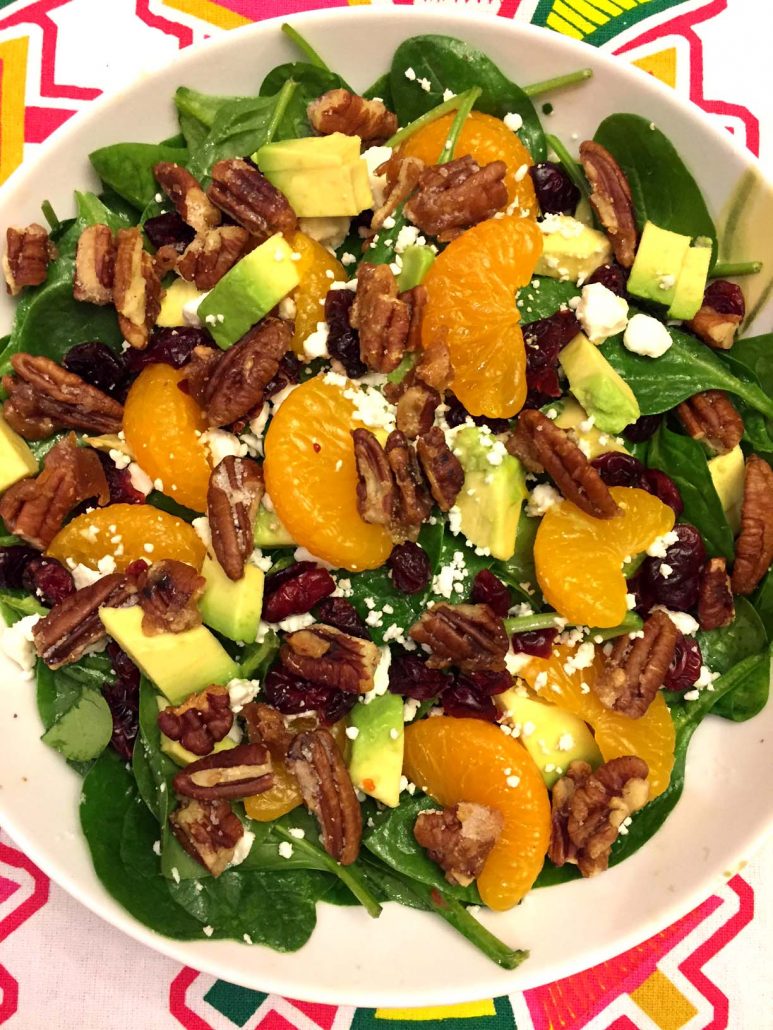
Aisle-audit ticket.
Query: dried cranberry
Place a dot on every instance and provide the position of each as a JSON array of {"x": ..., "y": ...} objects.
[
  {"x": 168, "y": 346},
  {"x": 487, "y": 589},
  {"x": 643, "y": 428},
  {"x": 99, "y": 366},
  {"x": 410, "y": 568},
  {"x": 292, "y": 695},
  {"x": 685, "y": 559},
  {"x": 13, "y": 562},
  {"x": 119, "y": 482},
  {"x": 556, "y": 193},
  {"x": 343, "y": 342},
  {"x": 663, "y": 486},
  {"x": 123, "y": 699},
  {"x": 469, "y": 695},
  {"x": 544, "y": 340},
  {"x": 726, "y": 298},
  {"x": 341, "y": 614},
  {"x": 617, "y": 469},
  {"x": 288, "y": 374},
  {"x": 123, "y": 666},
  {"x": 685, "y": 667},
  {"x": 295, "y": 590},
  {"x": 457, "y": 414},
  {"x": 537, "y": 642},
  {"x": 47, "y": 580},
  {"x": 410, "y": 676},
  {"x": 169, "y": 230},
  {"x": 614, "y": 277}
]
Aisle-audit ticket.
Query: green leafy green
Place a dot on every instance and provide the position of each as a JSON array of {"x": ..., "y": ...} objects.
[
  {"x": 381, "y": 90},
  {"x": 83, "y": 731},
  {"x": 196, "y": 113},
  {"x": 519, "y": 571},
  {"x": 128, "y": 168},
  {"x": 16, "y": 604},
  {"x": 763, "y": 603},
  {"x": 746, "y": 635},
  {"x": 311, "y": 82},
  {"x": 543, "y": 296}
]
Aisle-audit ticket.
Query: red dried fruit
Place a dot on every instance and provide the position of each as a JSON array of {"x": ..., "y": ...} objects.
[
  {"x": 292, "y": 695},
  {"x": 725, "y": 297},
  {"x": 410, "y": 676},
  {"x": 13, "y": 562},
  {"x": 556, "y": 193},
  {"x": 119, "y": 482},
  {"x": 168, "y": 346},
  {"x": 47, "y": 580},
  {"x": 288, "y": 374},
  {"x": 679, "y": 590},
  {"x": 544, "y": 340},
  {"x": 663, "y": 487},
  {"x": 469, "y": 695},
  {"x": 99, "y": 366},
  {"x": 614, "y": 277},
  {"x": 341, "y": 614},
  {"x": 487, "y": 589},
  {"x": 536, "y": 642},
  {"x": 685, "y": 667},
  {"x": 643, "y": 428},
  {"x": 169, "y": 230},
  {"x": 409, "y": 567},
  {"x": 343, "y": 342},
  {"x": 295, "y": 590},
  {"x": 618, "y": 469}
]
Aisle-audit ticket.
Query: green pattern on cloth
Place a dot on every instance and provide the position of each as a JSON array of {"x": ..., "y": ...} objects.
[{"x": 597, "y": 21}]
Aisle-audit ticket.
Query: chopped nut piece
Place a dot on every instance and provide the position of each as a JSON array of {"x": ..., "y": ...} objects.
[
  {"x": 199, "y": 369},
  {"x": 413, "y": 503},
  {"x": 717, "y": 320},
  {"x": 712, "y": 418},
  {"x": 375, "y": 485},
  {"x": 234, "y": 493},
  {"x": 227, "y": 775},
  {"x": 95, "y": 265},
  {"x": 434, "y": 364},
  {"x": 416, "y": 407},
  {"x": 317, "y": 764},
  {"x": 541, "y": 445},
  {"x": 266, "y": 725},
  {"x": 754, "y": 546},
  {"x": 716, "y": 607},
  {"x": 213, "y": 253},
  {"x": 589, "y": 807},
  {"x": 27, "y": 256},
  {"x": 382, "y": 318},
  {"x": 325, "y": 655},
  {"x": 611, "y": 200},
  {"x": 459, "y": 838},
  {"x": 169, "y": 597},
  {"x": 636, "y": 667},
  {"x": 402, "y": 176},
  {"x": 200, "y": 721},
  {"x": 415, "y": 300},
  {"x": 209, "y": 831},
  {"x": 442, "y": 468},
  {"x": 237, "y": 382},
  {"x": 136, "y": 288},
  {"x": 451, "y": 197},
  {"x": 189, "y": 199},
  {"x": 338, "y": 110},
  {"x": 244, "y": 193},
  {"x": 469, "y": 636}
]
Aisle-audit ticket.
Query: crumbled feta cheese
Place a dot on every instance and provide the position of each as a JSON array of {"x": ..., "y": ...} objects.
[
  {"x": 541, "y": 499},
  {"x": 630, "y": 601},
  {"x": 646, "y": 335},
  {"x": 295, "y": 622},
  {"x": 203, "y": 532},
  {"x": 564, "y": 225},
  {"x": 16, "y": 642},
  {"x": 304, "y": 554},
  {"x": 139, "y": 479},
  {"x": 425, "y": 84},
  {"x": 206, "y": 930},
  {"x": 157, "y": 847},
  {"x": 684, "y": 623},
  {"x": 515, "y": 662},
  {"x": 191, "y": 311},
  {"x": 450, "y": 576},
  {"x": 221, "y": 444},
  {"x": 380, "y": 677},
  {"x": 448, "y": 94},
  {"x": 375, "y": 157},
  {"x": 241, "y": 692},
  {"x": 285, "y": 849},
  {"x": 581, "y": 659},
  {"x": 329, "y": 231},
  {"x": 521, "y": 173},
  {"x": 348, "y": 259},
  {"x": 175, "y": 874},
  {"x": 513, "y": 780},
  {"x": 455, "y": 519},
  {"x": 410, "y": 74},
  {"x": 372, "y": 408},
  {"x": 119, "y": 458},
  {"x": 297, "y": 832},
  {"x": 260, "y": 560},
  {"x": 513, "y": 121},
  {"x": 565, "y": 742},
  {"x": 242, "y": 849},
  {"x": 601, "y": 313},
  {"x": 410, "y": 708},
  {"x": 352, "y": 732},
  {"x": 660, "y": 545},
  {"x": 287, "y": 308},
  {"x": 83, "y": 576},
  {"x": 666, "y": 570}
]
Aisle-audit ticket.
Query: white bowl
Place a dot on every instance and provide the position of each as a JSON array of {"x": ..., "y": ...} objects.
[{"x": 407, "y": 958}]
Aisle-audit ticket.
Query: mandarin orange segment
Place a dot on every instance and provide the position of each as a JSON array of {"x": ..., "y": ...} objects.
[
  {"x": 471, "y": 290},
  {"x": 126, "y": 532},
  {"x": 317, "y": 268},
  {"x": 469, "y": 760},
  {"x": 161, "y": 425},
  {"x": 311, "y": 477},
  {"x": 485, "y": 139},
  {"x": 579, "y": 558}
]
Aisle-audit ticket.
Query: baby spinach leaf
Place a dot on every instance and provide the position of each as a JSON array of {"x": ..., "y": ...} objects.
[
  {"x": 311, "y": 82},
  {"x": 684, "y": 460},
  {"x": 756, "y": 355},
  {"x": 84, "y": 730},
  {"x": 16, "y": 604},
  {"x": 381, "y": 90},
  {"x": 543, "y": 297},
  {"x": 763, "y": 604},
  {"x": 196, "y": 112},
  {"x": 127, "y": 168},
  {"x": 723, "y": 648},
  {"x": 161, "y": 767},
  {"x": 519, "y": 572},
  {"x": 750, "y": 695},
  {"x": 143, "y": 776}
]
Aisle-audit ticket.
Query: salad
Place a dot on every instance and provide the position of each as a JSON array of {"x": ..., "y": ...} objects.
[{"x": 385, "y": 497}]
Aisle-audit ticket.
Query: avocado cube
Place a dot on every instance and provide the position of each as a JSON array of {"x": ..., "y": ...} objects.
[
  {"x": 417, "y": 261},
  {"x": 727, "y": 473},
  {"x": 657, "y": 264},
  {"x": 573, "y": 416},
  {"x": 691, "y": 284},
  {"x": 180, "y": 293},
  {"x": 16, "y": 459},
  {"x": 232, "y": 607},
  {"x": 376, "y": 762},
  {"x": 269, "y": 530},
  {"x": 571, "y": 251},
  {"x": 308, "y": 153},
  {"x": 597, "y": 386}
]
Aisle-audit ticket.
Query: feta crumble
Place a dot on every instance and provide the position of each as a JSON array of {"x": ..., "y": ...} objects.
[
  {"x": 17, "y": 643},
  {"x": 601, "y": 313},
  {"x": 541, "y": 499},
  {"x": 285, "y": 849},
  {"x": 647, "y": 336},
  {"x": 241, "y": 692}
]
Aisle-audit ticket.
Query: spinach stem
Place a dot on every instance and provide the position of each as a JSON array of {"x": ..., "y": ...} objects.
[
  {"x": 571, "y": 167},
  {"x": 468, "y": 99},
  {"x": 558, "y": 82},
  {"x": 425, "y": 119},
  {"x": 476, "y": 933},
  {"x": 305, "y": 47},
  {"x": 725, "y": 269},
  {"x": 284, "y": 97},
  {"x": 552, "y": 620},
  {"x": 50, "y": 215}
]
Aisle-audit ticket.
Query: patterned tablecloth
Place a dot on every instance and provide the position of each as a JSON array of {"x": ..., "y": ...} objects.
[{"x": 62, "y": 967}]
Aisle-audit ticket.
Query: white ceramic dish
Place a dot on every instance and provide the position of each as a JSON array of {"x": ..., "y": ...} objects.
[{"x": 408, "y": 959}]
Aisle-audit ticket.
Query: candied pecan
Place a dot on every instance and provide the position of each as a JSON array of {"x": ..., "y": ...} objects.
[
  {"x": 442, "y": 468},
  {"x": 136, "y": 288},
  {"x": 325, "y": 655},
  {"x": 315, "y": 761},
  {"x": 416, "y": 406},
  {"x": 95, "y": 265},
  {"x": 413, "y": 502},
  {"x": 169, "y": 597},
  {"x": 35, "y": 509},
  {"x": 469, "y": 636},
  {"x": 227, "y": 775},
  {"x": 209, "y": 831},
  {"x": 244, "y": 193},
  {"x": 434, "y": 364},
  {"x": 459, "y": 838},
  {"x": 200, "y": 721},
  {"x": 611, "y": 199},
  {"x": 28, "y": 253},
  {"x": 233, "y": 495},
  {"x": 381, "y": 317},
  {"x": 453, "y": 196},
  {"x": 375, "y": 485},
  {"x": 213, "y": 253},
  {"x": 266, "y": 725},
  {"x": 718, "y": 318},
  {"x": 338, "y": 110},
  {"x": 199, "y": 369},
  {"x": 636, "y": 667},
  {"x": 716, "y": 607},
  {"x": 711, "y": 417},
  {"x": 415, "y": 300},
  {"x": 754, "y": 546},
  {"x": 74, "y": 625},
  {"x": 166, "y": 258},
  {"x": 237, "y": 382},
  {"x": 44, "y": 397},
  {"x": 402, "y": 175},
  {"x": 589, "y": 807},
  {"x": 190, "y": 201},
  {"x": 541, "y": 445}
]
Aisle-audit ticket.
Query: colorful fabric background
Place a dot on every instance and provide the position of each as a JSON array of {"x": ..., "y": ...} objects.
[{"x": 61, "y": 968}]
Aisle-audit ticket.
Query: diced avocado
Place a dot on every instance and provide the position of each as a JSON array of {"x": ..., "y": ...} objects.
[
  {"x": 232, "y": 607},
  {"x": 16, "y": 459},
  {"x": 417, "y": 261},
  {"x": 269, "y": 530},
  {"x": 178, "y": 663},
  {"x": 592, "y": 442},
  {"x": 181, "y": 755},
  {"x": 249, "y": 291},
  {"x": 691, "y": 284},
  {"x": 489, "y": 503},
  {"x": 727, "y": 474},
  {"x": 308, "y": 153},
  {"x": 553, "y": 736},
  {"x": 571, "y": 251},
  {"x": 376, "y": 761},
  {"x": 597, "y": 386},
  {"x": 180, "y": 293},
  {"x": 657, "y": 265}
]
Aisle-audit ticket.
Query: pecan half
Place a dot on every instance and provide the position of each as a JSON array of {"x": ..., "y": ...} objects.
[
  {"x": 95, "y": 265},
  {"x": 711, "y": 417},
  {"x": 190, "y": 201},
  {"x": 719, "y": 317},
  {"x": 200, "y": 721},
  {"x": 375, "y": 485},
  {"x": 237, "y": 382},
  {"x": 325, "y": 655},
  {"x": 266, "y": 725},
  {"x": 754, "y": 546},
  {"x": 209, "y": 831},
  {"x": 469, "y": 636},
  {"x": 542, "y": 446},
  {"x": 416, "y": 407},
  {"x": 416, "y": 300},
  {"x": 716, "y": 607},
  {"x": 169, "y": 597},
  {"x": 459, "y": 839},
  {"x": 442, "y": 468},
  {"x": 35, "y": 509},
  {"x": 198, "y": 370},
  {"x": 451, "y": 197},
  {"x": 44, "y": 397},
  {"x": 244, "y": 193},
  {"x": 381, "y": 317},
  {"x": 233, "y": 495},
  {"x": 338, "y": 110},
  {"x": 317, "y": 764},
  {"x": 136, "y": 288},
  {"x": 211, "y": 254},
  {"x": 402, "y": 177},
  {"x": 235, "y": 772},
  {"x": 611, "y": 199},
  {"x": 413, "y": 503},
  {"x": 434, "y": 364},
  {"x": 589, "y": 807},
  {"x": 27, "y": 256},
  {"x": 636, "y": 667}
]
